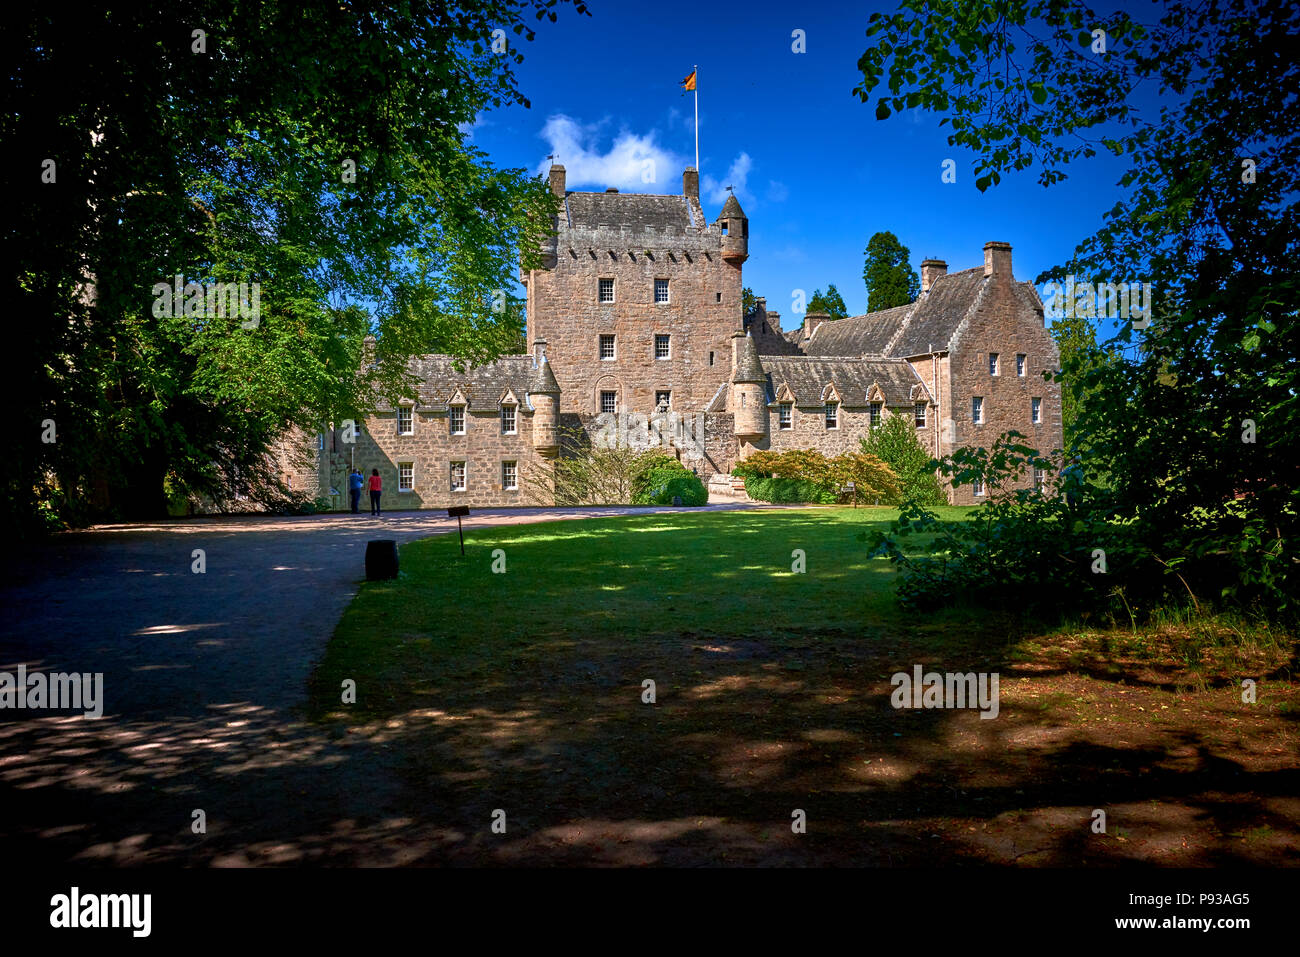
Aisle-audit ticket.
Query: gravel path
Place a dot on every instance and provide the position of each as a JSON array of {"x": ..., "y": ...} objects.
[{"x": 202, "y": 673}]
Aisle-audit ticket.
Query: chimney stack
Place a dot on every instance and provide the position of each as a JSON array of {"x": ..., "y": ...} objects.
[
  {"x": 539, "y": 350},
  {"x": 557, "y": 181},
  {"x": 997, "y": 259},
  {"x": 811, "y": 320},
  {"x": 932, "y": 269},
  {"x": 691, "y": 182}
]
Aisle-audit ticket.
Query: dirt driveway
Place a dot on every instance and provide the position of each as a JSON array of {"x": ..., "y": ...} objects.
[{"x": 202, "y": 676}]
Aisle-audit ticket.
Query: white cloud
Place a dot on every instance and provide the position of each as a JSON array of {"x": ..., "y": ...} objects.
[
  {"x": 715, "y": 191},
  {"x": 777, "y": 191},
  {"x": 469, "y": 128},
  {"x": 633, "y": 163}
]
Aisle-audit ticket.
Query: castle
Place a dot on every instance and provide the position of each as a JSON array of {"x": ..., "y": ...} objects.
[{"x": 635, "y": 331}]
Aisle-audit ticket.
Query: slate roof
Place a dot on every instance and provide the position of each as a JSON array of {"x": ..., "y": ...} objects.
[
  {"x": 865, "y": 335},
  {"x": 627, "y": 209},
  {"x": 544, "y": 379},
  {"x": 807, "y": 377},
  {"x": 748, "y": 368},
  {"x": 731, "y": 208},
  {"x": 938, "y": 315},
  {"x": 482, "y": 386}
]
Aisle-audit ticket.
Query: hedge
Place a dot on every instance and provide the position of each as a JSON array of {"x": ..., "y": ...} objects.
[
  {"x": 788, "y": 491},
  {"x": 658, "y": 486}
]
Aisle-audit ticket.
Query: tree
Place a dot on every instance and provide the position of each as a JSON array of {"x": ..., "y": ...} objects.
[
  {"x": 894, "y": 442},
  {"x": 1196, "y": 428},
  {"x": 311, "y": 151},
  {"x": 890, "y": 279},
  {"x": 831, "y": 303},
  {"x": 748, "y": 301}
]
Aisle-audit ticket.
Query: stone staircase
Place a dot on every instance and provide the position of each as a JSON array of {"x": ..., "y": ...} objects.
[{"x": 726, "y": 488}]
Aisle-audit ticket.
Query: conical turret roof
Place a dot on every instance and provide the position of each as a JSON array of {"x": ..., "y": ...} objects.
[
  {"x": 544, "y": 379},
  {"x": 748, "y": 368},
  {"x": 731, "y": 209}
]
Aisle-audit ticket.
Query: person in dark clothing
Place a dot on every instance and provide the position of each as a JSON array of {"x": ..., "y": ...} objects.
[
  {"x": 355, "y": 481},
  {"x": 376, "y": 487}
]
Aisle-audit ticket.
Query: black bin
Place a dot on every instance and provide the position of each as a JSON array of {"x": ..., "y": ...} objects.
[{"x": 381, "y": 559}]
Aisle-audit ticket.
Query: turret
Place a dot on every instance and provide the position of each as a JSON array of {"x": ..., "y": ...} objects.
[
  {"x": 544, "y": 393},
  {"x": 748, "y": 390},
  {"x": 735, "y": 231}
]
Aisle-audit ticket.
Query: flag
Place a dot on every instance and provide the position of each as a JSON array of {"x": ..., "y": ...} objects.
[{"x": 689, "y": 82}]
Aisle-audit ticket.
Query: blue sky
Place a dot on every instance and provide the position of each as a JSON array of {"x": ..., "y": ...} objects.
[{"x": 817, "y": 174}]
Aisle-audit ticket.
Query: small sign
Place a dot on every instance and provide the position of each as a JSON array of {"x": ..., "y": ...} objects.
[{"x": 458, "y": 512}]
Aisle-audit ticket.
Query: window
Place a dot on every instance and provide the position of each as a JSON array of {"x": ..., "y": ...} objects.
[
  {"x": 920, "y": 415},
  {"x": 457, "y": 420},
  {"x": 875, "y": 414},
  {"x": 719, "y": 297},
  {"x": 458, "y": 476},
  {"x": 784, "y": 414},
  {"x": 710, "y": 358},
  {"x": 661, "y": 347},
  {"x": 405, "y": 476},
  {"x": 663, "y": 400},
  {"x": 607, "y": 290},
  {"x": 508, "y": 419},
  {"x": 405, "y": 421},
  {"x": 607, "y": 347},
  {"x": 661, "y": 291},
  {"x": 832, "y": 415},
  {"x": 320, "y": 442},
  {"x": 608, "y": 402},
  {"x": 1038, "y": 479},
  {"x": 993, "y": 363},
  {"x": 1020, "y": 365},
  {"x": 977, "y": 410},
  {"x": 510, "y": 475},
  {"x": 978, "y": 487},
  {"x": 1036, "y": 411}
]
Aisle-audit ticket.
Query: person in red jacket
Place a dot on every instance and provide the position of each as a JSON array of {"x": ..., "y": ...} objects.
[{"x": 376, "y": 488}]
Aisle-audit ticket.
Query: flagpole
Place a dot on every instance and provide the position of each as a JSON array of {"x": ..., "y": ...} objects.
[{"x": 696, "y": 91}]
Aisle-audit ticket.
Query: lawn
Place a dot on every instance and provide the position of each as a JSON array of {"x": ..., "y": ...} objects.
[{"x": 522, "y": 690}]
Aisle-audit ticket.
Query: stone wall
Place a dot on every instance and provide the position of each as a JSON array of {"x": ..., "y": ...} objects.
[
  {"x": 431, "y": 448},
  {"x": 1001, "y": 323},
  {"x": 703, "y": 311}
]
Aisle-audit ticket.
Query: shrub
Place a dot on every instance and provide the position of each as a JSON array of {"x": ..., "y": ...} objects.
[
  {"x": 895, "y": 443},
  {"x": 664, "y": 484},
  {"x": 661, "y": 477},
  {"x": 785, "y": 491},
  {"x": 812, "y": 477},
  {"x": 1025, "y": 549}
]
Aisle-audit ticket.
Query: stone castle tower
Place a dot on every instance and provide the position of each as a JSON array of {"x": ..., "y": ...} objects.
[{"x": 640, "y": 300}]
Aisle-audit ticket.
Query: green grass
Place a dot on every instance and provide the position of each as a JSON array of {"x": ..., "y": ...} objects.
[{"x": 628, "y": 581}]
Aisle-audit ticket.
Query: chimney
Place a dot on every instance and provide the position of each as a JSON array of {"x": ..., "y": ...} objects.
[
  {"x": 691, "y": 182},
  {"x": 932, "y": 269},
  {"x": 539, "y": 350},
  {"x": 997, "y": 259},
  {"x": 557, "y": 181},
  {"x": 811, "y": 320}
]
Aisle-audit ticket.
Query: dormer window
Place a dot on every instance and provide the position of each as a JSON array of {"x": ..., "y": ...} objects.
[{"x": 508, "y": 419}]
